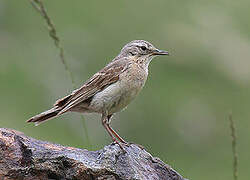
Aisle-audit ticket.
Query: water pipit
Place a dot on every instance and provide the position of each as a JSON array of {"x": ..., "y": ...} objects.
[{"x": 109, "y": 90}]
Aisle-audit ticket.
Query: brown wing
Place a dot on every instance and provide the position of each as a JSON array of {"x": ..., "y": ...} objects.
[{"x": 108, "y": 75}]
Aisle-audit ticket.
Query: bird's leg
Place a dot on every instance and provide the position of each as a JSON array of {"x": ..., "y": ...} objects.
[
  {"x": 104, "y": 123},
  {"x": 113, "y": 131}
]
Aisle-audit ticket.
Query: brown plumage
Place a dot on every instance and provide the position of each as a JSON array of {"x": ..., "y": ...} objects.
[
  {"x": 106, "y": 76},
  {"x": 111, "y": 89}
]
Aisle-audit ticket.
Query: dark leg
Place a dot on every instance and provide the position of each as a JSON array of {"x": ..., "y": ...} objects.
[
  {"x": 113, "y": 131},
  {"x": 105, "y": 124}
]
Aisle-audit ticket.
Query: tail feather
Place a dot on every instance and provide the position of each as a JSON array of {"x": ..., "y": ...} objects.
[
  {"x": 44, "y": 116},
  {"x": 51, "y": 113}
]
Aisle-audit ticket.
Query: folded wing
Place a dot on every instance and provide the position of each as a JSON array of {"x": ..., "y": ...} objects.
[{"x": 108, "y": 75}]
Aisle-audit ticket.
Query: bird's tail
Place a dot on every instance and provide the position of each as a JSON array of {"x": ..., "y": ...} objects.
[{"x": 44, "y": 116}]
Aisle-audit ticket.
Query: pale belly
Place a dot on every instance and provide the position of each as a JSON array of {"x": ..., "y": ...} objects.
[{"x": 115, "y": 97}]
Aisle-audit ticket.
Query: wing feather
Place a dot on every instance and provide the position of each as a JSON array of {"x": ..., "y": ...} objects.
[{"x": 108, "y": 75}]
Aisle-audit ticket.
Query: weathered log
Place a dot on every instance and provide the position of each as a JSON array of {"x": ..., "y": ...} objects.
[{"x": 23, "y": 157}]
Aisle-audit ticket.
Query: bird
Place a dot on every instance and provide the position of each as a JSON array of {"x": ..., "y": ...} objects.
[{"x": 109, "y": 90}]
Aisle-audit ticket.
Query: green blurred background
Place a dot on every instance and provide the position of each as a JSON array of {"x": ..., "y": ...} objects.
[{"x": 180, "y": 116}]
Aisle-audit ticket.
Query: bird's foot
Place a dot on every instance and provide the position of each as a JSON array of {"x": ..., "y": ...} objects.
[
  {"x": 140, "y": 146},
  {"x": 124, "y": 143},
  {"x": 120, "y": 144}
]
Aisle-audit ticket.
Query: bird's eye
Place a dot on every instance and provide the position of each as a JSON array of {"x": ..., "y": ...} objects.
[{"x": 143, "y": 48}]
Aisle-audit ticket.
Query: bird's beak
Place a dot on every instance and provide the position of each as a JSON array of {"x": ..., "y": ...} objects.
[{"x": 159, "y": 52}]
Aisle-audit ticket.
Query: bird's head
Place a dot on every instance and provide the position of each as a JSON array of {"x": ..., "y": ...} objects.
[{"x": 141, "y": 51}]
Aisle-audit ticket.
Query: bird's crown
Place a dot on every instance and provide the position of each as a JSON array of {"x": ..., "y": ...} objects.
[{"x": 141, "y": 48}]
